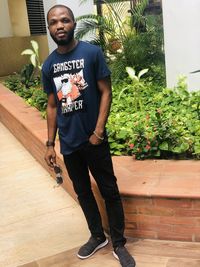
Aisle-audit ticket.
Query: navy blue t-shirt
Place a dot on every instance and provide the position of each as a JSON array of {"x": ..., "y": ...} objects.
[{"x": 72, "y": 77}]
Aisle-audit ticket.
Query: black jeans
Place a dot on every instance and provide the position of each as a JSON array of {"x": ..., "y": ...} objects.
[{"x": 97, "y": 159}]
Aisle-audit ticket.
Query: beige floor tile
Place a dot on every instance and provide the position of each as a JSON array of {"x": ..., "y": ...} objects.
[{"x": 37, "y": 219}]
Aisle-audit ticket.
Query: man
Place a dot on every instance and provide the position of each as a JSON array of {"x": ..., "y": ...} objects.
[{"x": 81, "y": 124}]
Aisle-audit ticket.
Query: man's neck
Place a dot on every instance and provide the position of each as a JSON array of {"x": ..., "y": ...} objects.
[{"x": 63, "y": 49}]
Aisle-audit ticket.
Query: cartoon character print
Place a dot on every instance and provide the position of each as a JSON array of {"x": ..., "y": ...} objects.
[{"x": 70, "y": 89}]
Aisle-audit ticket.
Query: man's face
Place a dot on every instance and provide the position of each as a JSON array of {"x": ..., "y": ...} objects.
[{"x": 61, "y": 26}]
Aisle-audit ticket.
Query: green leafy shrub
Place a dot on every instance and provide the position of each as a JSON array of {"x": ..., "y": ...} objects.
[
  {"x": 38, "y": 99},
  {"x": 129, "y": 36},
  {"x": 34, "y": 55},
  {"x": 13, "y": 82},
  {"x": 136, "y": 87},
  {"x": 27, "y": 83},
  {"x": 33, "y": 95},
  {"x": 31, "y": 73},
  {"x": 168, "y": 125},
  {"x": 146, "y": 120},
  {"x": 26, "y": 75}
]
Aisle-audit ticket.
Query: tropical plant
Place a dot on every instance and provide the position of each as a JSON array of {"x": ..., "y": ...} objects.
[
  {"x": 141, "y": 50},
  {"x": 26, "y": 74},
  {"x": 33, "y": 95},
  {"x": 34, "y": 55},
  {"x": 168, "y": 126},
  {"x": 138, "y": 17},
  {"x": 31, "y": 73},
  {"x": 129, "y": 40},
  {"x": 13, "y": 82},
  {"x": 27, "y": 83},
  {"x": 136, "y": 86},
  {"x": 111, "y": 24}
]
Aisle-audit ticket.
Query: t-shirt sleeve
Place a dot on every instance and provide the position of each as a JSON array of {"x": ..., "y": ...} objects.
[
  {"x": 101, "y": 68},
  {"x": 46, "y": 81}
]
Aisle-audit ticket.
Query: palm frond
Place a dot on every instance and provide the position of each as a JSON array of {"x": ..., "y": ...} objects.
[
  {"x": 85, "y": 27},
  {"x": 117, "y": 11},
  {"x": 87, "y": 16},
  {"x": 138, "y": 16}
]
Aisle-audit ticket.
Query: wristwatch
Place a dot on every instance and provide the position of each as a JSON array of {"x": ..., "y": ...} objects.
[{"x": 50, "y": 143}]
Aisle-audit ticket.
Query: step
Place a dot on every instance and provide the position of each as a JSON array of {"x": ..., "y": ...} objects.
[
  {"x": 161, "y": 198},
  {"x": 147, "y": 253}
]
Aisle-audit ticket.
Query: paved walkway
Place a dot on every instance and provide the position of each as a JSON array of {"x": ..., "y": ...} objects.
[
  {"x": 42, "y": 226},
  {"x": 36, "y": 219}
]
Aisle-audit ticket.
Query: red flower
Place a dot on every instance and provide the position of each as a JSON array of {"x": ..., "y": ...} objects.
[
  {"x": 131, "y": 146},
  {"x": 147, "y": 147}
]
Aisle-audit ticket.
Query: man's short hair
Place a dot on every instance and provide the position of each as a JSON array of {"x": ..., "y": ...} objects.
[{"x": 62, "y": 6}]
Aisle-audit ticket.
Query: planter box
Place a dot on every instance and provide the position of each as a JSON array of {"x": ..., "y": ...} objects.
[{"x": 161, "y": 198}]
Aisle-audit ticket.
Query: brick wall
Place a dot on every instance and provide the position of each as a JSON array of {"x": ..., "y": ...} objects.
[
  {"x": 146, "y": 216},
  {"x": 163, "y": 218}
]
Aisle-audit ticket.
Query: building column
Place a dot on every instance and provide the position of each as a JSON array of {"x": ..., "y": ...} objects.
[
  {"x": 182, "y": 41},
  {"x": 78, "y": 10}
]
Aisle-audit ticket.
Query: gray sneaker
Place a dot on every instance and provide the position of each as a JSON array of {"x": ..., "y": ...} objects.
[
  {"x": 89, "y": 248},
  {"x": 124, "y": 257}
]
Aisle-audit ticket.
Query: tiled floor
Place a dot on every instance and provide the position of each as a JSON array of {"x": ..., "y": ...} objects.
[
  {"x": 42, "y": 226},
  {"x": 36, "y": 219},
  {"x": 148, "y": 253}
]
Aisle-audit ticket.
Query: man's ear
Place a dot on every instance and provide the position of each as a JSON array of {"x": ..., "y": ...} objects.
[{"x": 75, "y": 24}]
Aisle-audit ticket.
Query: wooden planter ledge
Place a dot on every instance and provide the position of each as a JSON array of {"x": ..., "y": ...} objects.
[{"x": 161, "y": 198}]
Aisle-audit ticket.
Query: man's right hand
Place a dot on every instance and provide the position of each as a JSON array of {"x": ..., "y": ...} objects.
[{"x": 50, "y": 156}]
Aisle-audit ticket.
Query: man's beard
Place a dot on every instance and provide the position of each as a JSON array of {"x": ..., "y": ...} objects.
[{"x": 66, "y": 41}]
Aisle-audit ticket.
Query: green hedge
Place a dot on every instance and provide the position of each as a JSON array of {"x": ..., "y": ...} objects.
[{"x": 168, "y": 125}]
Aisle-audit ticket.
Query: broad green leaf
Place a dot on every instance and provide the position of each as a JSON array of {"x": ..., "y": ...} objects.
[
  {"x": 131, "y": 72},
  {"x": 27, "y": 52},
  {"x": 122, "y": 134},
  {"x": 113, "y": 145},
  {"x": 117, "y": 153},
  {"x": 176, "y": 149},
  {"x": 184, "y": 147},
  {"x": 164, "y": 146},
  {"x": 197, "y": 149},
  {"x": 33, "y": 60},
  {"x": 142, "y": 72},
  {"x": 35, "y": 46},
  {"x": 136, "y": 79}
]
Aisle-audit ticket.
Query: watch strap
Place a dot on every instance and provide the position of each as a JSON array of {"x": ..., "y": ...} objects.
[{"x": 50, "y": 143}]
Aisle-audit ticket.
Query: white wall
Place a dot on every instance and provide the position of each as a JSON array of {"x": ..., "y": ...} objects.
[
  {"x": 5, "y": 24},
  {"x": 182, "y": 41},
  {"x": 78, "y": 10}
]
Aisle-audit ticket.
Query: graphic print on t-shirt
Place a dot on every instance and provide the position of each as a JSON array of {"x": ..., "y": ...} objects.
[{"x": 69, "y": 86}]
